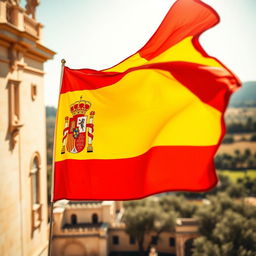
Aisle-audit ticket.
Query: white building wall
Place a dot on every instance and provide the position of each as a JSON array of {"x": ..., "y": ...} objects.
[{"x": 10, "y": 171}]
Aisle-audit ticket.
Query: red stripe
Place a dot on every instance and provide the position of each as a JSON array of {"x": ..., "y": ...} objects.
[
  {"x": 185, "y": 18},
  {"x": 179, "y": 23},
  {"x": 161, "y": 169},
  {"x": 203, "y": 81}
]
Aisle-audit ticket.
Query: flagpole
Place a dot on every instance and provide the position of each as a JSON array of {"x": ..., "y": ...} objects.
[{"x": 53, "y": 161}]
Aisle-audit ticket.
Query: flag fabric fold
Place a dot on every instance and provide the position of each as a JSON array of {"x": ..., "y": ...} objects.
[{"x": 150, "y": 124}]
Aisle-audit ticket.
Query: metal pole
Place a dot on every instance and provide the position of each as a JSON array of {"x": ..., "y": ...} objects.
[
  {"x": 53, "y": 161},
  {"x": 50, "y": 232}
]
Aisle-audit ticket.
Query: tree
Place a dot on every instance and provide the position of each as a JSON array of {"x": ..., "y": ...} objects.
[
  {"x": 203, "y": 246},
  {"x": 228, "y": 139},
  {"x": 223, "y": 185},
  {"x": 235, "y": 233},
  {"x": 228, "y": 228},
  {"x": 247, "y": 153},
  {"x": 249, "y": 124},
  {"x": 236, "y": 190},
  {"x": 177, "y": 204},
  {"x": 144, "y": 217},
  {"x": 253, "y": 137}
]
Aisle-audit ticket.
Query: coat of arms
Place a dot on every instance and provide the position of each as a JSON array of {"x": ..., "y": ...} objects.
[{"x": 75, "y": 128}]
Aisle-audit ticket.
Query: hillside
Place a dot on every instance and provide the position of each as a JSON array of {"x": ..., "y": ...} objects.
[{"x": 245, "y": 96}]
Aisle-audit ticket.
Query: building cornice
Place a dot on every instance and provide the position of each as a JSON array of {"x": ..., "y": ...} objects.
[
  {"x": 33, "y": 70},
  {"x": 78, "y": 235},
  {"x": 29, "y": 43}
]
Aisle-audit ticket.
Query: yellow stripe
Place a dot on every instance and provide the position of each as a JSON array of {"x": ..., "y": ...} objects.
[{"x": 146, "y": 108}]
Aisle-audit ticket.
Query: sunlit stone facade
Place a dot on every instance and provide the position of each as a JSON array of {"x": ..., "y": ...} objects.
[
  {"x": 96, "y": 229},
  {"x": 23, "y": 196}
]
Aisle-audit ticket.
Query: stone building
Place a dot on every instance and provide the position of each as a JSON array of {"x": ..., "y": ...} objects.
[
  {"x": 95, "y": 228},
  {"x": 23, "y": 208}
]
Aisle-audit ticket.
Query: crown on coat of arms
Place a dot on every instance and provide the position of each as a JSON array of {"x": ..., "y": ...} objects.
[{"x": 79, "y": 107}]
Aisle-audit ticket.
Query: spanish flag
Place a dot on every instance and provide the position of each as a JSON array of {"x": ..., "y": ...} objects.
[{"x": 150, "y": 124}]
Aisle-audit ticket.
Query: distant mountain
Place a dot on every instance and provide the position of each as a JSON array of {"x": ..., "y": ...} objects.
[{"x": 245, "y": 96}]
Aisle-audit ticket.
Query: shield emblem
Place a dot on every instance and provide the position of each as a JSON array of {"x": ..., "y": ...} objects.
[
  {"x": 75, "y": 128},
  {"x": 76, "y": 138}
]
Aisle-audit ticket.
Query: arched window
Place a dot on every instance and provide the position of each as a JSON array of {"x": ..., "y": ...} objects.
[
  {"x": 73, "y": 219},
  {"x": 189, "y": 247},
  {"x": 95, "y": 218},
  {"x": 154, "y": 240},
  {"x": 35, "y": 180},
  {"x": 36, "y": 205},
  {"x": 172, "y": 242},
  {"x": 115, "y": 240},
  {"x": 132, "y": 240},
  {"x": 33, "y": 91}
]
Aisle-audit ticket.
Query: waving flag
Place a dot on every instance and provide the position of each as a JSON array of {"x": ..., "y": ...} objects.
[{"x": 150, "y": 124}]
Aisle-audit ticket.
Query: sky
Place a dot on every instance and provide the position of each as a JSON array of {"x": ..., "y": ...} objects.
[{"x": 98, "y": 34}]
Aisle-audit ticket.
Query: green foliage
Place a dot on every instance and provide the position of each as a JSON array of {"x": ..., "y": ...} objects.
[
  {"x": 223, "y": 185},
  {"x": 237, "y": 175},
  {"x": 237, "y": 161},
  {"x": 177, "y": 204},
  {"x": 205, "y": 247},
  {"x": 228, "y": 228},
  {"x": 145, "y": 216},
  {"x": 236, "y": 190},
  {"x": 228, "y": 139},
  {"x": 253, "y": 137},
  {"x": 248, "y": 127}
]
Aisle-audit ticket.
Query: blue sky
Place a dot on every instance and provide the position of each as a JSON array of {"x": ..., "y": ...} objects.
[{"x": 100, "y": 33}]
